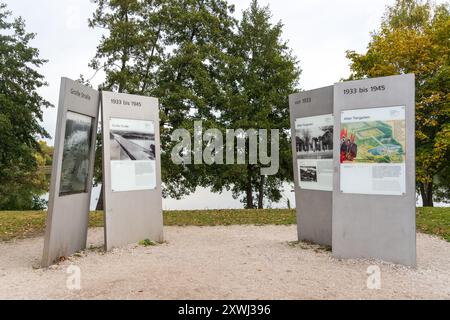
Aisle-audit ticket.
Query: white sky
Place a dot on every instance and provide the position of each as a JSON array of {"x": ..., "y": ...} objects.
[{"x": 319, "y": 32}]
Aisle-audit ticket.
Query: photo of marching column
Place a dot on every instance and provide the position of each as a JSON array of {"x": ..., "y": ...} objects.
[
  {"x": 76, "y": 154},
  {"x": 314, "y": 147},
  {"x": 132, "y": 150},
  {"x": 313, "y": 140}
]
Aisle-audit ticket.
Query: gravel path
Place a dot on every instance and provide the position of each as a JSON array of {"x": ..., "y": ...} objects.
[{"x": 238, "y": 262}]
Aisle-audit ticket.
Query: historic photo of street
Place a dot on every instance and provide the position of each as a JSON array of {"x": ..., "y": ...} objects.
[
  {"x": 76, "y": 154},
  {"x": 132, "y": 140},
  {"x": 132, "y": 148}
]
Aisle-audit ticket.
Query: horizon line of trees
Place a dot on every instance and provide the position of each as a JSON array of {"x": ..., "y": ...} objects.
[{"x": 204, "y": 64}]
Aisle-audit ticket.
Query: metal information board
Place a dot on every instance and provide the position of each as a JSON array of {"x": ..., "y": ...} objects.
[
  {"x": 132, "y": 169},
  {"x": 374, "y": 195},
  {"x": 73, "y": 162},
  {"x": 312, "y": 123}
]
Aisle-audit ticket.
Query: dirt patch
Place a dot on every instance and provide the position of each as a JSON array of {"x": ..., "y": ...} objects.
[{"x": 236, "y": 262}]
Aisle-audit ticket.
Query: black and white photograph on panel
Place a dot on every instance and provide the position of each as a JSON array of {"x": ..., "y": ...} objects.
[
  {"x": 76, "y": 154},
  {"x": 314, "y": 137},
  {"x": 132, "y": 148},
  {"x": 314, "y": 147},
  {"x": 308, "y": 174}
]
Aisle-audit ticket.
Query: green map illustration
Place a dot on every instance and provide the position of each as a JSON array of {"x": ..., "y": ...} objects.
[{"x": 378, "y": 141}]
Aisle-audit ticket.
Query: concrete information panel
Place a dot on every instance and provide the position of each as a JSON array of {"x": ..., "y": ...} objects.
[
  {"x": 132, "y": 169},
  {"x": 73, "y": 162},
  {"x": 312, "y": 148},
  {"x": 374, "y": 185}
]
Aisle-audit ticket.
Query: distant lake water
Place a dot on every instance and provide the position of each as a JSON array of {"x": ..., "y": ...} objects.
[{"x": 203, "y": 199}]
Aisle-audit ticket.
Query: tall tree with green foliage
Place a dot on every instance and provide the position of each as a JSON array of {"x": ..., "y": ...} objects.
[
  {"x": 415, "y": 38},
  {"x": 171, "y": 50},
  {"x": 199, "y": 34},
  {"x": 133, "y": 47},
  {"x": 20, "y": 115},
  {"x": 128, "y": 52},
  {"x": 260, "y": 74}
]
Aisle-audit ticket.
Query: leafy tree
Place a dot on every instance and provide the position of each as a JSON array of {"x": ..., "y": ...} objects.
[
  {"x": 133, "y": 46},
  {"x": 415, "y": 38},
  {"x": 128, "y": 53},
  {"x": 442, "y": 186},
  {"x": 203, "y": 66},
  {"x": 168, "y": 49},
  {"x": 20, "y": 115},
  {"x": 41, "y": 179},
  {"x": 45, "y": 156},
  {"x": 198, "y": 34},
  {"x": 260, "y": 74}
]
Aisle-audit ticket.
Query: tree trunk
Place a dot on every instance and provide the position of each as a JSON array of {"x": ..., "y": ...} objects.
[
  {"x": 426, "y": 192},
  {"x": 261, "y": 193},
  {"x": 249, "y": 189},
  {"x": 99, "y": 206}
]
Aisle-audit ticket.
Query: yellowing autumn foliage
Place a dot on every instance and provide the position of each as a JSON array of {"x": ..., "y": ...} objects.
[{"x": 414, "y": 37}]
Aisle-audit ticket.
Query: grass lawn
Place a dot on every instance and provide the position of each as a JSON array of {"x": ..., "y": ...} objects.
[
  {"x": 434, "y": 221},
  {"x": 19, "y": 225}
]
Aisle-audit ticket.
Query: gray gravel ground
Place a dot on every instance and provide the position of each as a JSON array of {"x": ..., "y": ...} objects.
[{"x": 236, "y": 262}]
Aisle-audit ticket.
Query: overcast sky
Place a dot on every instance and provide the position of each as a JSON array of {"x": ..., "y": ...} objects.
[{"x": 319, "y": 32}]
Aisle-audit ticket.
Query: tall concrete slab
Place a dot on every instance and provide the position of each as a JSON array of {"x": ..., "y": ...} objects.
[
  {"x": 132, "y": 169},
  {"x": 374, "y": 185},
  {"x": 313, "y": 206},
  {"x": 73, "y": 163}
]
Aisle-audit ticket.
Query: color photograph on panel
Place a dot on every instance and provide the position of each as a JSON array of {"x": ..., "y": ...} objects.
[{"x": 372, "y": 151}]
